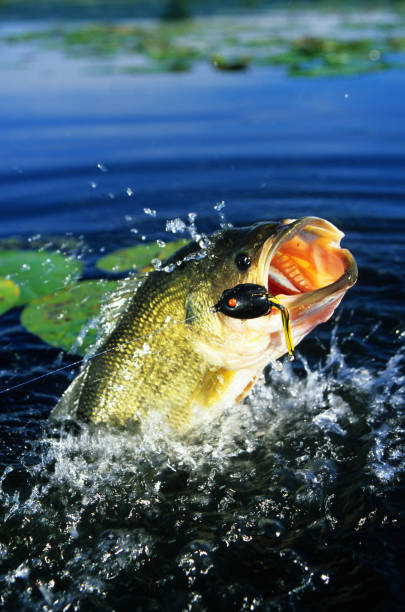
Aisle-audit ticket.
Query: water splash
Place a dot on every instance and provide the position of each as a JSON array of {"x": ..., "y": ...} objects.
[
  {"x": 219, "y": 208},
  {"x": 145, "y": 512},
  {"x": 175, "y": 226}
]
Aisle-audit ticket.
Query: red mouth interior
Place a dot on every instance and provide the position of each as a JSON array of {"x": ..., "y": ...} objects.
[{"x": 305, "y": 263}]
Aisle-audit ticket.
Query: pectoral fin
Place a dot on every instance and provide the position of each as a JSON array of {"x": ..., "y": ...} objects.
[
  {"x": 221, "y": 387},
  {"x": 213, "y": 387}
]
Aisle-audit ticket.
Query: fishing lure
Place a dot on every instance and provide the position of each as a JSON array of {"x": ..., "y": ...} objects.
[{"x": 249, "y": 301}]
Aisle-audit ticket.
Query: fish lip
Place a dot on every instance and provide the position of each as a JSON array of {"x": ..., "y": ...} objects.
[{"x": 325, "y": 228}]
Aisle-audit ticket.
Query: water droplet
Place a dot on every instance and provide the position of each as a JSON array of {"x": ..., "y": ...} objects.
[
  {"x": 93, "y": 184},
  {"x": 133, "y": 230},
  {"x": 219, "y": 206},
  {"x": 149, "y": 211},
  {"x": 22, "y": 571},
  {"x": 129, "y": 192},
  {"x": 325, "y": 578},
  {"x": 35, "y": 237},
  {"x": 128, "y": 218},
  {"x": 161, "y": 243},
  {"x": 192, "y": 217},
  {"x": 111, "y": 195},
  {"x": 346, "y": 95},
  {"x": 25, "y": 267},
  {"x": 204, "y": 241},
  {"x": 101, "y": 167},
  {"x": 175, "y": 226}
]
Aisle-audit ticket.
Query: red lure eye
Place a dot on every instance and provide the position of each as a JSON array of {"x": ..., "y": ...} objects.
[{"x": 232, "y": 303}]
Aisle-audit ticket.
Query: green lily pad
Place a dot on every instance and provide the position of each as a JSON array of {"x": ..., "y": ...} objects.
[
  {"x": 64, "y": 318},
  {"x": 222, "y": 62},
  {"x": 138, "y": 257},
  {"x": 38, "y": 274},
  {"x": 9, "y": 294},
  {"x": 180, "y": 45},
  {"x": 332, "y": 69}
]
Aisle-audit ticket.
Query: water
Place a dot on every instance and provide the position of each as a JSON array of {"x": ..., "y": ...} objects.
[{"x": 292, "y": 501}]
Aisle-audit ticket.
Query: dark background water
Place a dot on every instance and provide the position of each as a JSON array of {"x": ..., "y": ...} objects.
[{"x": 306, "y": 514}]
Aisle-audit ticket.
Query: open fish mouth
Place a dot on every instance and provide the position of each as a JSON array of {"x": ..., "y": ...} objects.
[{"x": 307, "y": 270}]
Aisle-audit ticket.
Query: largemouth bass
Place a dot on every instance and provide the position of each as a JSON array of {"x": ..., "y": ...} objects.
[{"x": 166, "y": 350}]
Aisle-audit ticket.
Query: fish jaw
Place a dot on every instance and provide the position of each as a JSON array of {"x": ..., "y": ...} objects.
[
  {"x": 309, "y": 273},
  {"x": 303, "y": 265}
]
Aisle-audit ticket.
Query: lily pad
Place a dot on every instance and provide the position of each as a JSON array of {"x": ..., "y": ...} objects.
[
  {"x": 180, "y": 45},
  {"x": 9, "y": 294},
  {"x": 64, "y": 319},
  {"x": 138, "y": 257},
  {"x": 222, "y": 62},
  {"x": 38, "y": 274}
]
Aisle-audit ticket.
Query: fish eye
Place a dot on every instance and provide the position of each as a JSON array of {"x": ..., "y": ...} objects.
[{"x": 243, "y": 261}]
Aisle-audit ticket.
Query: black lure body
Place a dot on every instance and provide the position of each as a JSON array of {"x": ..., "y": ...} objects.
[{"x": 247, "y": 301}]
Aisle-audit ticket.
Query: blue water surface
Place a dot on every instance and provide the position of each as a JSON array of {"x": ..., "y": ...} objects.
[{"x": 265, "y": 143}]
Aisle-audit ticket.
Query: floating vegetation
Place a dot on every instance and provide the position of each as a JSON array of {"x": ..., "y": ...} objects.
[
  {"x": 276, "y": 38},
  {"x": 61, "y": 309},
  {"x": 139, "y": 257},
  {"x": 9, "y": 294},
  {"x": 314, "y": 56},
  {"x": 38, "y": 274},
  {"x": 67, "y": 318},
  {"x": 221, "y": 62}
]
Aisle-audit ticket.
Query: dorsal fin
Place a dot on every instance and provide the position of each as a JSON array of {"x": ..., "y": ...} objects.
[{"x": 113, "y": 307}]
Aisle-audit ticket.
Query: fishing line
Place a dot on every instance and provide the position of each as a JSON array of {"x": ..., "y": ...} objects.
[{"x": 116, "y": 348}]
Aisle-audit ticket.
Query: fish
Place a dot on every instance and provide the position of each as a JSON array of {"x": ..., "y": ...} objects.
[{"x": 164, "y": 347}]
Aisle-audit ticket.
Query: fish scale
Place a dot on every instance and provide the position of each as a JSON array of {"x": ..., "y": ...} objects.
[{"x": 114, "y": 399}]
